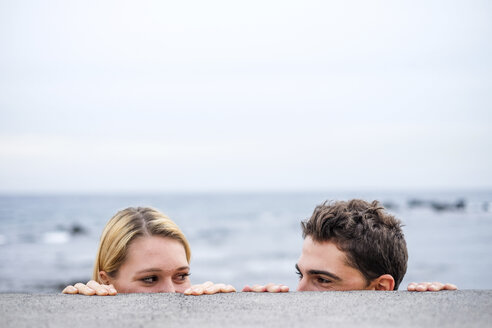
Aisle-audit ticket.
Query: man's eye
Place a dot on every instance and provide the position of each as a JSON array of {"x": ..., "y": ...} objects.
[
  {"x": 149, "y": 280},
  {"x": 323, "y": 280}
]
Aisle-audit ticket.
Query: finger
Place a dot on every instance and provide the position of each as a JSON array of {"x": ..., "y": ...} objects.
[
  {"x": 228, "y": 289},
  {"x": 275, "y": 288},
  {"x": 422, "y": 287},
  {"x": 271, "y": 288},
  {"x": 197, "y": 290},
  {"x": 100, "y": 290},
  {"x": 111, "y": 290},
  {"x": 247, "y": 289},
  {"x": 284, "y": 289},
  {"x": 435, "y": 286},
  {"x": 258, "y": 288},
  {"x": 412, "y": 286},
  {"x": 214, "y": 289},
  {"x": 70, "y": 290},
  {"x": 449, "y": 286},
  {"x": 83, "y": 289}
]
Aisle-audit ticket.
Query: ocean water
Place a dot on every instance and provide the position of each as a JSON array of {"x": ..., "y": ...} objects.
[{"x": 49, "y": 241}]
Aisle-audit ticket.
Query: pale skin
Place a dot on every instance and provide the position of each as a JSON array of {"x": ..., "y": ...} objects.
[
  {"x": 153, "y": 264},
  {"x": 324, "y": 267}
]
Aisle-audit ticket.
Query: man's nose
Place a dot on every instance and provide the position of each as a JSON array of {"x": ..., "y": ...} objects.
[
  {"x": 167, "y": 286},
  {"x": 302, "y": 286}
]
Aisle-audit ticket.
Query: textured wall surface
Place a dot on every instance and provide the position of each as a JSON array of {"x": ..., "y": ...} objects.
[{"x": 470, "y": 308}]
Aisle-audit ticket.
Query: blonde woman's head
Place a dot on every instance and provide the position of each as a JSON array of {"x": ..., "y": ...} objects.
[{"x": 142, "y": 250}]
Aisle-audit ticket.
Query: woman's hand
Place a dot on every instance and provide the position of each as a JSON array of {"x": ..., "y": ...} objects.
[
  {"x": 209, "y": 288},
  {"x": 270, "y": 288},
  {"x": 430, "y": 287},
  {"x": 91, "y": 288}
]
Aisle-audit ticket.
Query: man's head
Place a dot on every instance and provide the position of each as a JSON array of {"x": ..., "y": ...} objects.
[{"x": 352, "y": 245}]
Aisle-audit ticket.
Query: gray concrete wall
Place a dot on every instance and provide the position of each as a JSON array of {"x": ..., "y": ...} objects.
[{"x": 467, "y": 308}]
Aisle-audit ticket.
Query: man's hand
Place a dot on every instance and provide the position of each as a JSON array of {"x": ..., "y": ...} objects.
[
  {"x": 269, "y": 288},
  {"x": 209, "y": 288},
  {"x": 91, "y": 288},
  {"x": 430, "y": 287}
]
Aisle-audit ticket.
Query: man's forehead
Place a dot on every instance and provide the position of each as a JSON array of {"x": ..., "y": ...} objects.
[{"x": 322, "y": 253}]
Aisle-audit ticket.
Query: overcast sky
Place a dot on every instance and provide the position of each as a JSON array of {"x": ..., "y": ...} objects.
[{"x": 253, "y": 95}]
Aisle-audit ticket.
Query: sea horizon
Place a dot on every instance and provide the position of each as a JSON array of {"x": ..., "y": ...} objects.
[{"x": 240, "y": 238}]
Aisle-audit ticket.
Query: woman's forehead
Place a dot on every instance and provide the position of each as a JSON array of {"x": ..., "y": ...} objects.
[{"x": 157, "y": 250}]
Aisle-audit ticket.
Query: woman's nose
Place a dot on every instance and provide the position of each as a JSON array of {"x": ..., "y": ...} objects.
[{"x": 167, "y": 286}]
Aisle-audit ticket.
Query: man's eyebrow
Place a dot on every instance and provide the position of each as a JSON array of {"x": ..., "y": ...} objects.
[
  {"x": 160, "y": 270},
  {"x": 325, "y": 273}
]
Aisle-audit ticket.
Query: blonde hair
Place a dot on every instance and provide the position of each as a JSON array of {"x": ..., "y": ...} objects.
[{"x": 124, "y": 227}]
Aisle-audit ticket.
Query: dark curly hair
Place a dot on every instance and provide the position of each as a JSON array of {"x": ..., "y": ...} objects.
[{"x": 371, "y": 238}]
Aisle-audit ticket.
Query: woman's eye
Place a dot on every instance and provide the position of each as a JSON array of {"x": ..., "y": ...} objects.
[
  {"x": 182, "y": 276},
  {"x": 149, "y": 280},
  {"x": 299, "y": 274}
]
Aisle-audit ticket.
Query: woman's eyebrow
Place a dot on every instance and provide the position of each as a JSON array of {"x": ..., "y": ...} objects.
[
  {"x": 183, "y": 268},
  {"x": 160, "y": 270},
  {"x": 150, "y": 270}
]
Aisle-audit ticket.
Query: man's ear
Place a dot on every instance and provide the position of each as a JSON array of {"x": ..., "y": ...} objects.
[
  {"x": 105, "y": 279},
  {"x": 384, "y": 282}
]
